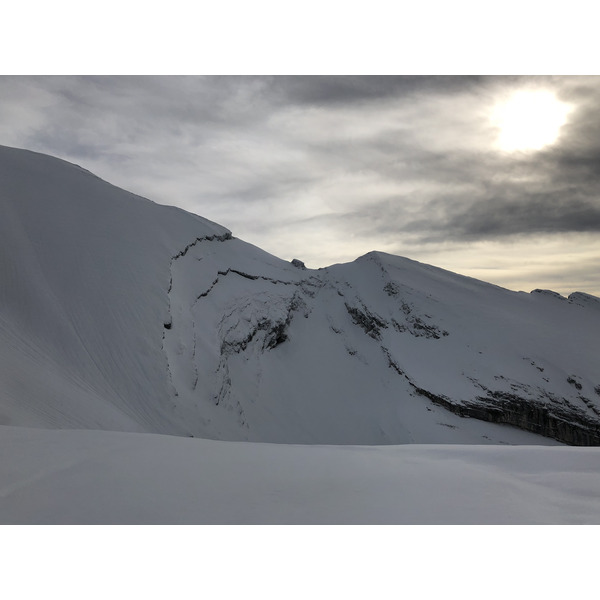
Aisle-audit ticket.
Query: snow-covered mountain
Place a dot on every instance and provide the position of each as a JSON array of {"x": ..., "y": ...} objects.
[{"x": 120, "y": 314}]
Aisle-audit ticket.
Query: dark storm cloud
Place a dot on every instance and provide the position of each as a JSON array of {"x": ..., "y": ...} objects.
[
  {"x": 488, "y": 211},
  {"x": 541, "y": 213},
  {"x": 558, "y": 193},
  {"x": 332, "y": 90}
]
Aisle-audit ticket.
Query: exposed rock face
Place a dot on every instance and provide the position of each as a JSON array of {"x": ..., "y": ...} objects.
[
  {"x": 561, "y": 422},
  {"x": 413, "y": 323},
  {"x": 261, "y": 319},
  {"x": 564, "y": 423},
  {"x": 257, "y": 325},
  {"x": 298, "y": 264},
  {"x": 548, "y": 293},
  {"x": 372, "y": 324}
]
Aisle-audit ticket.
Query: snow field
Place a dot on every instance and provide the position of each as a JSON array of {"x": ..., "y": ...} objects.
[{"x": 95, "y": 477}]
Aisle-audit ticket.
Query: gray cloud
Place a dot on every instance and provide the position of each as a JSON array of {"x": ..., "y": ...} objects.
[
  {"x": 344, "y": 90},
  {"x": 541, "y": 213},
  {"x": 276, "y": 159}
]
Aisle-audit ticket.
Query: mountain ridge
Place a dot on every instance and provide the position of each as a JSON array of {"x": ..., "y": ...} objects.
[{"x": 119, "y": 313}]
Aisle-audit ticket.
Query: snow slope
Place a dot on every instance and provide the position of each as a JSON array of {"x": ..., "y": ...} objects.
[
  {"x": 120, "y": 314},
  {"x": 83, "y": 268},
  {"x": 89, "y": 477}
]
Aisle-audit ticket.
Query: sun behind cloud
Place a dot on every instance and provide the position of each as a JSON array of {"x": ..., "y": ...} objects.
[{"x": 529, "y": 120}]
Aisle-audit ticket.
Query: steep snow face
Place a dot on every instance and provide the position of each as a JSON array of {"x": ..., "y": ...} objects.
[
  {"x": 117, "y": 313},
  {"x": 483, "y": 351},
  {"x": 84, "y": 270}
]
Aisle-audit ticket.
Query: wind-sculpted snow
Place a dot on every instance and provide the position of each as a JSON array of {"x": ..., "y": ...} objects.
[
  {"x": 84, "y": 270},
  {"x": 117, "y": 313}
]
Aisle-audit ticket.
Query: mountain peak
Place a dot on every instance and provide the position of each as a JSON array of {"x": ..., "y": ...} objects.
[{"x": 119, "y": 313}]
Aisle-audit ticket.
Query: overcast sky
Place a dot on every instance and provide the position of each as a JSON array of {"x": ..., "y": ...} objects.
[{"x": 325, "y": 169}]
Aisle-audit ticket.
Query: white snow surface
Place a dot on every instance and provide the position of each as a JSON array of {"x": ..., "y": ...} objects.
[
  {"x": 139, "y": 326},
  {"x": 100, "y": 477},
  {"x": 84, "y": 268}
]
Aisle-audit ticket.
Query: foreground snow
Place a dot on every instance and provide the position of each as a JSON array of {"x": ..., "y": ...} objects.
[{"x": 88, "y": 477}]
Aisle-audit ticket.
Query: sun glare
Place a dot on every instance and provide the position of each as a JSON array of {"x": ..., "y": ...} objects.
[{"x": 529, "y": 120}]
